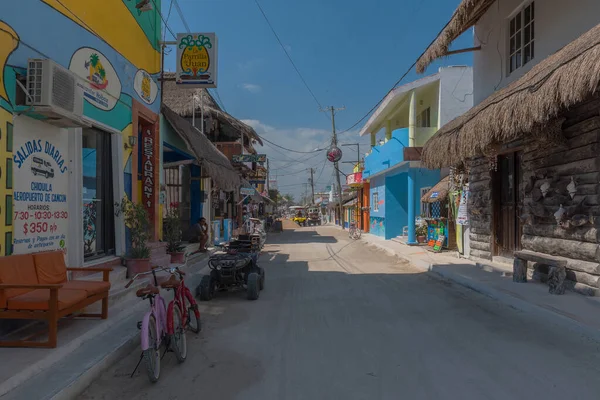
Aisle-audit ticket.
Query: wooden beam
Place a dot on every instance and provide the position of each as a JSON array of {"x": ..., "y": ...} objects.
[{"x": 467, "y": 50}]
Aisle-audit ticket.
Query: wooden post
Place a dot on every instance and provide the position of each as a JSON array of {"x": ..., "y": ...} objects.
[
  {"x": 105, "y": 307},
  {"x": 520, "y": 270}
]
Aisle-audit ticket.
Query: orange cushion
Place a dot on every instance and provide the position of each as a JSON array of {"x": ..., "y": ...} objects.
[
  {"x": 90, "y": 287},
  {"x": 50, "y": 267},
  {"x": 38, "y": 299},
  {"x": 17, "y": 269}
]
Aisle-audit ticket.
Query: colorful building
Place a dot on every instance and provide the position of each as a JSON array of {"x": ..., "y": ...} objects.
[
  {"x": 409, "y": 116},
  {"x": 59, "y": 182}
]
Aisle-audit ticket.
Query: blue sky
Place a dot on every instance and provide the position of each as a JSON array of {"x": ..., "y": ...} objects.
[{"x": 350, "y": 53}]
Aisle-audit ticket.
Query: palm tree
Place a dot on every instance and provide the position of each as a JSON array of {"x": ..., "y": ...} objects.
[{"x": 94, "y": 59}]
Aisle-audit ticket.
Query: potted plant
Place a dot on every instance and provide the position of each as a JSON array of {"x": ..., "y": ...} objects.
[
  {"x": 137, "y": 220},
  {"x": 172, "y": 235},
  {"x": 421, "y": 232}
]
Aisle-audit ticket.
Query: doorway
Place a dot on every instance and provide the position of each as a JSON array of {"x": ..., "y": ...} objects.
[
  {"x": 98, "y": 195},
  {"x": 508, "y": 204}
]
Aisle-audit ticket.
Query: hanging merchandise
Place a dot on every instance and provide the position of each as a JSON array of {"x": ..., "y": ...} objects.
[{"x": 334, "y": 154}]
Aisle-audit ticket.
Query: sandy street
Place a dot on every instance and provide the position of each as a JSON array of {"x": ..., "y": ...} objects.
[{"x": 340, "y": 320}]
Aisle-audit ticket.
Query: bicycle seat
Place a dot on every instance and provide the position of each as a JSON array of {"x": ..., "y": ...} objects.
[
  {"x": 171, "y": 283},
  {"x": 150, "y": 289}
]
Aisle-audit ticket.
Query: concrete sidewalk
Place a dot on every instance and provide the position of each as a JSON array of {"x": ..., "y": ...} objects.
[
  {"x": 85, "y": 348},
  {"x": 576, "y": 312}
]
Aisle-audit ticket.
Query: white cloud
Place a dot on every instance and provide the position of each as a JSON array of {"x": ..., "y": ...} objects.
[{"x": 251, "y": 87}]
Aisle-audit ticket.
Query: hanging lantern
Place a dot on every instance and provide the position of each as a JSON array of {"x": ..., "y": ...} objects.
[{"x": 334, "y": 154}]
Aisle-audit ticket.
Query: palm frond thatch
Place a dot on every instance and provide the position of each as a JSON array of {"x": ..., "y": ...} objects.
[
  {"x": 532, "y": 105},
  {"x": 465, "y": 16},
  {"x": 214, "y": 163},
  {"x": 442, "y": 188},
  {"x": 179, "y": 99}
]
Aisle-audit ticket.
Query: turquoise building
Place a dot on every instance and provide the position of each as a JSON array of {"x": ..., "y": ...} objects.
[{"x": 409, "y": 116}]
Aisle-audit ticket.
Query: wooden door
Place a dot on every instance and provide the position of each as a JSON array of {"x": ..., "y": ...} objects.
[{"x": 508, "y": 205}]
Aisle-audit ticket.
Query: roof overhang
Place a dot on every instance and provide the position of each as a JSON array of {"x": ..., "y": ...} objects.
[
  {"x": 214, "y": 163},
  {"x": 531, "y": 105},
  {"x": 466, "y": 15},
  {"x": 392, "y": 102}
]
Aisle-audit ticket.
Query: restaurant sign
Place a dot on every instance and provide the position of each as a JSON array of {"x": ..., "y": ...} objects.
[
  {"x": 197, "y": 60},
  {"x": 148, "y": 169},
  {"x": 259, "y": 158},
  {"x": 40, "y": 184},
  {"x": 354, "y": 179}
]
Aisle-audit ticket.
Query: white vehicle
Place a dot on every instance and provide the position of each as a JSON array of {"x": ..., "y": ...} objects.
[{"x": 39, "y": 166}]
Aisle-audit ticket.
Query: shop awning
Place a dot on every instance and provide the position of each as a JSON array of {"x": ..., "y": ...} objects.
[
  {"x": 214, "y": 163},
  {"x": 350, "y": 203},
  {"x": 437, "y": 193}
]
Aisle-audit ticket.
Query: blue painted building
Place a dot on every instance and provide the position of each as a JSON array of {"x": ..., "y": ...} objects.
[{"x": 409, "y": 116}]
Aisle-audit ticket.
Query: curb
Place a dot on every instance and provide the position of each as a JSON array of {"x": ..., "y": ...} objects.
[
  {"x": 546, "y": 314},
  {"x": 88, "y": 376}
]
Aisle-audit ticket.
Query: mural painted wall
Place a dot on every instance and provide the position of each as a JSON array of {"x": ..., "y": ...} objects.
[{"x": 112, "y": 48}]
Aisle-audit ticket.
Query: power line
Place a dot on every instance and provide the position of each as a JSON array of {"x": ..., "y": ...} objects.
[
  {"x": 187, "y": 27},
  {"x": 397, "y": 82},
  {"x": 288, "y": 55},
  {"x": 162, "y": 19},
  {"x": 285, "y": 148},
  {"x": 219, "y": 99}
]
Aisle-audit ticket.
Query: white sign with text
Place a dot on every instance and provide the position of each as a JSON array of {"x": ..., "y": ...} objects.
[{"x": 40, "y": 184}]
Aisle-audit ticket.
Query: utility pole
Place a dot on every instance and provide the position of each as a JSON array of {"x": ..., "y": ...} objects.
[
  {"x": 332, "y": 110},
  {"x": 312, "y": 186}
]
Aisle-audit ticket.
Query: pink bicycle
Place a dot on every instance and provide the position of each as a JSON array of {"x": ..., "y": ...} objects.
[{"x": 154, "y": 332}]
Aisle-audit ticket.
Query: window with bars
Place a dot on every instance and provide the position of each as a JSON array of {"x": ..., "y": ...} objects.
[
  {"x": 375, "y": 201},
  {"x": 425, "y": 207},
  {"x": 521, "y": 38}
]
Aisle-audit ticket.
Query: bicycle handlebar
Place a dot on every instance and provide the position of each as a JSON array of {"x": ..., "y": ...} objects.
[{"x": 155, "y": 268}]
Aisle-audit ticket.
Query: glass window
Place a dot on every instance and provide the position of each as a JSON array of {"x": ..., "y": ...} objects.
[
  {"x": 9, "y": 137},
  {"x": 521, "y": 36},
  {"x": 9, "y": 173},
  {"x": 375, "y": 201},
  {"x": 8, "y": 213}
]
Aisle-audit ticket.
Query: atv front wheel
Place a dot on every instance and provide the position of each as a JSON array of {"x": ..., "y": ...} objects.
[
  {"x": 206, "y": 288},
  {"x": 261, "y": 272},
  {"x": 253, "y": 286}
]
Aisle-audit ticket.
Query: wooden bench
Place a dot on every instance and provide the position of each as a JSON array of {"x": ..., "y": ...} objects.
[
  {"x": 35, "y": 286},
  {"x": 556, "y": 275}
]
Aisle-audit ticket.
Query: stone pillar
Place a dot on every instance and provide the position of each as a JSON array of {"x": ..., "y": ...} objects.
[
  {"x": 410, "y": 187},
  {"x": 388, "y": 130},
  {"x": 412, "y": 119},
  {"x": 519, "y": 270}
]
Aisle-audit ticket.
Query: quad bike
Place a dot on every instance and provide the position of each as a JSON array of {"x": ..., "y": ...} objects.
[{"x": 236, "y": 267}]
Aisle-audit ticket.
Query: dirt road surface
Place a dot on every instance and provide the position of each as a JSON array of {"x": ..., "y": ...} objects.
[{"x": 340, "y": 320}]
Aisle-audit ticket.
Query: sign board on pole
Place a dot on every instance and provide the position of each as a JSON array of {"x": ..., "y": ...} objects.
[
  {"x": 462, "y": 217},
  {"x": 247, "y": 191},
  {"x": 259, "y": 158},
  {"x": 197, "y": 59}
]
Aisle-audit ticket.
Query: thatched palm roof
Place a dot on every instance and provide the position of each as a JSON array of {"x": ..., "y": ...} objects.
[
  {"x": 441, "y": 188},
  {"x": 465, "y": 16},
  {"x": 179, "y": 99},
  {"x": 530, "y": 105},
  {"x": 214, "y": 163}
]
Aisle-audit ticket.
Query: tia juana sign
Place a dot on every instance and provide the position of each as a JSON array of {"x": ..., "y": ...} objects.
[{"x": 197, "y": 59}]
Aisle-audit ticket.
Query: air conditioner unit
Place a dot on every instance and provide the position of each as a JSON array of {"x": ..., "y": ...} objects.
[{"x": 53, "y": 92}]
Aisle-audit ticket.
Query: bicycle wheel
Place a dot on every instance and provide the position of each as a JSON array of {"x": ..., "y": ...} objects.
[
  {"x": 357, "y": 234},
  {"x": 193, "y": 322},
  {"x": 152, "y": 354},
  {"x": 178, "y": 340}
]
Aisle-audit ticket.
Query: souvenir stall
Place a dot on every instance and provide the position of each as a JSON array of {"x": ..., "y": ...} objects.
[{"x": 438, "y": 217}]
